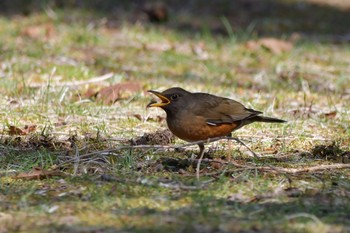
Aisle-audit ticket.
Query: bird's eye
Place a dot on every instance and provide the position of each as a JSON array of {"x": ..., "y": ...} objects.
[{"x": 174, "y": 97}]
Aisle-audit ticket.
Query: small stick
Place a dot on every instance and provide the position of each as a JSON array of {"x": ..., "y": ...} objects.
[
  {"x": 76, "y": 83},
  {"x": 76, "y": 159},
  {"x": 126, "y": 147},
  {"x": 288, "y": 170}
]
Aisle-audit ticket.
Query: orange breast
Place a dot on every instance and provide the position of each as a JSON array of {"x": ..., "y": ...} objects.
[{"x": 196, "y": 129}]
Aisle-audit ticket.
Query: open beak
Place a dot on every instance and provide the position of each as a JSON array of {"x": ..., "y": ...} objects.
[{"x": 165, "y": 100}]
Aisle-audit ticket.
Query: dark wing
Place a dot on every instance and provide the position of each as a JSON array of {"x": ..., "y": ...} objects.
[{"x": 218, "y": 110}]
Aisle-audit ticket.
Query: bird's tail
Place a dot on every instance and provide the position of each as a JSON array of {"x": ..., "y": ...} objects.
[{"x": 267, "y": 119}]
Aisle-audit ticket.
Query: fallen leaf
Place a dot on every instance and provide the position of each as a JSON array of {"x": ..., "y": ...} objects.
[
  {"x": 13, "y": 130},
  {"x": 38, "y": 174},
  {"x": 29, "y": 128},
  {"x": 275, "y": 46},
  {"x": 330, "y": 115},
  {"x": 111, "y": 94},
  {"x": 138, "y": 116},
  {"x": 45, "y": 31},
  {"x": 34, "y": 32}
]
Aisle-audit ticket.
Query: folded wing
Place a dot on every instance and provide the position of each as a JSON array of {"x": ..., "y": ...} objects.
[{"x": 222, "y": 110}]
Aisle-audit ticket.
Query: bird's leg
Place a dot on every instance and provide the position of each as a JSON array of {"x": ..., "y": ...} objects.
[
  {"x": 200, "y": 157},
  {"x": 201, "y": 150},
  {"x": 229, "y": 142}
]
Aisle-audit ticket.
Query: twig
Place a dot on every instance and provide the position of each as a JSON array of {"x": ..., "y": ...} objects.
[
  {"x": 274, "y": 169},
  {"x": 287, "y": 170},
  {"x": 304, "y": 215},
  {"x": 179, "y": 185},
  {"x": 76, "y": 83},
  {"x": 241, "y": 142},
  {"x": 128, "y": 147},
  {"x": 268, "y": 168},
  {"x": 313, "y": 168},
  {"x": 170, "y": 185},
  {"x": 77, "y": 159}
]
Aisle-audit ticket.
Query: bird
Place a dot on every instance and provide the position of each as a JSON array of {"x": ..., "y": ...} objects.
[{"x": 200, "y": 116}]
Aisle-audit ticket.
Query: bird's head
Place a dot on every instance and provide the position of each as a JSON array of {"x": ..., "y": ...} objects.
[{"x": 172, "y": 99}]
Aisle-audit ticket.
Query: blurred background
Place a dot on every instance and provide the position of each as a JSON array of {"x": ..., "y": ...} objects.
[{"x": 261, "y": 17}]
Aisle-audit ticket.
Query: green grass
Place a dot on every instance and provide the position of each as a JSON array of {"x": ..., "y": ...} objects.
[{"x": 150, "y": 190}]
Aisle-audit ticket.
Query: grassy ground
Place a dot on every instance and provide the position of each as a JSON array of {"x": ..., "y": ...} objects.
[{"x": 48, "y": 57}]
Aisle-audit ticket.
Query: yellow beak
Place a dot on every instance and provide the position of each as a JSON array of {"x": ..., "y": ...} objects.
[{"x": 165, "y": 100}]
